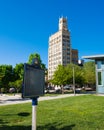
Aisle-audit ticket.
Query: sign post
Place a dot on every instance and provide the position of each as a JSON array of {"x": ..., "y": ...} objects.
[
  {"x": 33, "y": 85},
  {"x": 34, "y": 104}
]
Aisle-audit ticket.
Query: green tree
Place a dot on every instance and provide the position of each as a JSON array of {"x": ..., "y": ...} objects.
[
  {"x": 78, "y": 74},
  {"x": 18, "y": 77},
  {"x": 6, "y": 75},
  {"x": 69, "y": 73},
  {"x": 59, "y": 76},
  {"x": 18, "y": 71},
  {"x": 36, "y": 55},
  {"x": 16, "y": 84},
  {"x": 64, "y": 75},
  {"x": 2, "y": 74},
  {"x": 89, "y": 73}
]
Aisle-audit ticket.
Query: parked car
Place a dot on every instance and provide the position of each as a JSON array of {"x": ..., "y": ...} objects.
[
  {"x": 66, "y": 87},
  {"x": 78, "y": 90},
  {"x": 51, "y": 89},
  {"x": 88, "y": 89}
]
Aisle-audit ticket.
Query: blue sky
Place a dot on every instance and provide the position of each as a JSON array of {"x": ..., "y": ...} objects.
[{"x": 25, "y": 26}]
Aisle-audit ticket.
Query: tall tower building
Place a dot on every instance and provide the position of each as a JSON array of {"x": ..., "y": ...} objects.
[{"x": 59, "y": 50}]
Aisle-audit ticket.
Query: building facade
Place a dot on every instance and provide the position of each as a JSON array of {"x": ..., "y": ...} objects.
[
  {"x": 99, "y": 65},
  {"x": 74, "y": 53},
  {"x": 59, "y": 50}
]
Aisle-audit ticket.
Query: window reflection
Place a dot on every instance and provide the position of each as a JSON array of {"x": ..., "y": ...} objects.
[
  {"x": 99, "y": 78},
  {"x": 99, "y": 64}
]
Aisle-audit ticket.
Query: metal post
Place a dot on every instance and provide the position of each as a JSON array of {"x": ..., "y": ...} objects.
[
  {"x": 73, "y": 80},
  {"x": 34, "y": 104}
]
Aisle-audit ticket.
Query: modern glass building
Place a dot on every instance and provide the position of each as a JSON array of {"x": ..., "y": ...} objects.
[{"x": 99, "y": 65}]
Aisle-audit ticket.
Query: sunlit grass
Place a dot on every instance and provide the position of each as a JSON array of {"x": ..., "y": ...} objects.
[{"x": 72, "y": 113}]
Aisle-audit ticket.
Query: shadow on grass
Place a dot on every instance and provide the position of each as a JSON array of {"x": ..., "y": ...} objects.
[
  {"x": 23, "y": 114},
  {"x": 52, "y": 126},
  {"x": 19, "y": 114},
  {"x": 2, "y": 122},
  {"x": 5, "y": 127}
]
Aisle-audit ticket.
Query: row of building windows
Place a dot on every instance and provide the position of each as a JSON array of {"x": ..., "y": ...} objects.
[
  {"x": 54, "y": 63},
  {"x": 57, "y": 57},
  {"x": 67, "y": 54},
  {"x": 66, "y": 40},
  {"x": 51, "y": 69},
  {"x": 66, "y": 57},
  {"x": 66, "y": 62},
  {"x": 55, "y": 39},
  {"x": 54, "y": 55},
  {"x": 65, "y": 36},
  {"x": 66, "y": 48},
  {"x": 52, "y": 48},
  {"x": 54, "y": 59},
  {"x": 66, "y": 44},
  {"x": 55, "y": 42},
  {"x": 55, "y": 50},
  {"x": 59, "y": 45}
]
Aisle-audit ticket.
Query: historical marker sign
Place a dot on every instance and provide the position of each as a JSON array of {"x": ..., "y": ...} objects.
[{"x": 34, "y": 81}]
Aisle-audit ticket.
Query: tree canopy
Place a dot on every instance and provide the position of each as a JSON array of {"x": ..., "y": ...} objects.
[
  {"x": 36, "y": 55},
  {"x": 83, "y": 75},
  {"x": 89, "y": 73},
  {"x": 13, "y": 76}
]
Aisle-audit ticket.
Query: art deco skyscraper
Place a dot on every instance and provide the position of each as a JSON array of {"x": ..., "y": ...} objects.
[{"x": 59, "y": 51}]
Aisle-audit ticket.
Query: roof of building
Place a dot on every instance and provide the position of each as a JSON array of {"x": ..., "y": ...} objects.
[{"x": 94, "y": 57}]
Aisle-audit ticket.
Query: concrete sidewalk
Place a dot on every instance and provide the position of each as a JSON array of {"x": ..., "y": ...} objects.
[{"x": 7, "y": 100}]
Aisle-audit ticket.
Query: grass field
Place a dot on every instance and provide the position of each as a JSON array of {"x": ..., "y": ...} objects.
[{"x": 73, "y": 113}]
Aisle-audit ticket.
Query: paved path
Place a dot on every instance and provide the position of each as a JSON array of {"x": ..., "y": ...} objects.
[{"x": 6, "y": 100}]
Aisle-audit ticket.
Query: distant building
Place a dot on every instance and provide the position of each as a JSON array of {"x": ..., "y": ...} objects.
[
  {"x": 59, "y": 50},
  {"x": 74, "y": 56}
]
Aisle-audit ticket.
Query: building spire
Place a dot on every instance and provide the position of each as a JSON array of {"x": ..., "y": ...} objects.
[{"x": 63, "y": 23}]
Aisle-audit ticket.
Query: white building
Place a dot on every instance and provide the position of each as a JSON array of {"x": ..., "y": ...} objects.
[{"x": 59, "y": 51}]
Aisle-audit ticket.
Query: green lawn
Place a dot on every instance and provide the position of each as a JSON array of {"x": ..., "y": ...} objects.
[{"x": 73, "y": 113}]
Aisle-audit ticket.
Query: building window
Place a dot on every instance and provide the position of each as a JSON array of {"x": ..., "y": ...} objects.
[
  {"x": 99, "y": 78},
  {"x": 99, "y": 64}
]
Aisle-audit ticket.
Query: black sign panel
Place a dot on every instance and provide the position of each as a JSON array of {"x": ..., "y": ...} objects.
[{"x": 34, "y": 81}]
